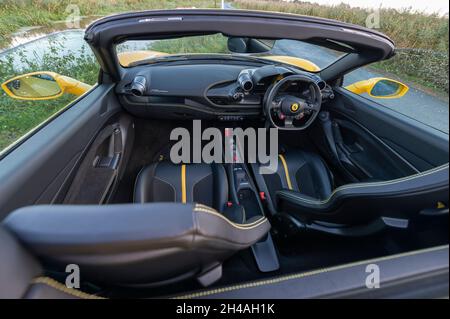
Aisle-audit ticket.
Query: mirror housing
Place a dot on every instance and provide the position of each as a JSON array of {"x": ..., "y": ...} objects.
[
  {"x": 43, "y": 85},
  {"x": 380, "y": 88}
]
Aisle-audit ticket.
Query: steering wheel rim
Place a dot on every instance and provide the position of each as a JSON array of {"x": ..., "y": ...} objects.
[{"x": 273, "y": 93}]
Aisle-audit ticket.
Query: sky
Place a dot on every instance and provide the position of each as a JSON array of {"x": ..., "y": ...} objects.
[{"x": 428, "y": 6}]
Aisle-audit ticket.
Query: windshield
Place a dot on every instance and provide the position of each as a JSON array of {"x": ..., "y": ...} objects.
[{"x": 309, "y": 57}]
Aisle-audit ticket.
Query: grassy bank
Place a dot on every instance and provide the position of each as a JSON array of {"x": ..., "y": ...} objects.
[
  {"x": 17, "y": 117},
  {"x": 15, "y": 14},
  {"x": 422, "y": 39},
  {"x": 407, "y": 28}
]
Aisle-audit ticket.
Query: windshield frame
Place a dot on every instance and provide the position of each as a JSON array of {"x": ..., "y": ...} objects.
[{"x": 102, "y": 35}]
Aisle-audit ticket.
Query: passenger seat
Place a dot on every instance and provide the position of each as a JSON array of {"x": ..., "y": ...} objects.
[
  {"x": 187, "y": 231},
  {"x": 205, "y": 184}
]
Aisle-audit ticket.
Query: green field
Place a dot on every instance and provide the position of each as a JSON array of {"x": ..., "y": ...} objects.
[
  {"x": 17, "y": 116},
  {"x": 15, "y": 14},
  {"x": 407, "y": 28}
]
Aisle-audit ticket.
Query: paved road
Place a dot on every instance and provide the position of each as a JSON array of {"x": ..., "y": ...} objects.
[{"x": 416, "y": 104}]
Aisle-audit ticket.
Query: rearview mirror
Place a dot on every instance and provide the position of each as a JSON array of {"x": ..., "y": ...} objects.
[
  {"x": 249, "y": 45},
  {"x": 381, "y": 88},
  {"x": 43, "y": 86}
]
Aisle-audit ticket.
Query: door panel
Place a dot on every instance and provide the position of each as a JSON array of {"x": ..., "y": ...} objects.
[
  {"x": 102, "y": 164},
  {"x": 364, "y": 153},
  {"x": 383, "y": 142},
  {"x": 35, "y": 171}
]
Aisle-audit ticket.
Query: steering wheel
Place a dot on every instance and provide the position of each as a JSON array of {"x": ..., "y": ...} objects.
[{"x": 290, "y": 111}]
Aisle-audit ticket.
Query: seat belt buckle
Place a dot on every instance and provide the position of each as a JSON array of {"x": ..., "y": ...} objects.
[{"x": 262, "y": 196}]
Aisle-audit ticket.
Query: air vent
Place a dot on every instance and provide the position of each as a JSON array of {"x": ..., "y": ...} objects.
[{"x": 321, "y": 85}]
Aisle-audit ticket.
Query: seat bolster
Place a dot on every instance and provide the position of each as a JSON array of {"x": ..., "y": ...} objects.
[
  {"x": 122, "y": 244},
  {"x": 322, "y": 174},
  {"x": 17, "y": 267},
  {"x": 129, "y": 244},
  {"x": 302, "y": 203},
  {"x": 143, "y": 184},
  {"x": 363, "y": 202},
  {"x": 63, "y": 230},
  {"x": 221, "y": 187},
  {"x": 222, "y": 232}
]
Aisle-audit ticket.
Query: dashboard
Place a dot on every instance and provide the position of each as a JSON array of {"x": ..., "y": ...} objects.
[{"x": 204, "y": 90}]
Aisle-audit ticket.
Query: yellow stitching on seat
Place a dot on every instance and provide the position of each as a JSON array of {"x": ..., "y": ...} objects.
[
  {"x": 206, "y": 209},
  {"x": 58, "y": 286},
  {"x": 304, "y": 274},
  {"x": 259, "y": 222},
  {"x": 213, "y": 211},
  {"x": 286, "y": 171},
  {"x": 183, "y": 183},
  {"x": 440, "y": 205}
]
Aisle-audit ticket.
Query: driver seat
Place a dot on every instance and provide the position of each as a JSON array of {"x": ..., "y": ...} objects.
[
  {"x": 298, "y": 171},
  {"x": 300, "y": 196}
]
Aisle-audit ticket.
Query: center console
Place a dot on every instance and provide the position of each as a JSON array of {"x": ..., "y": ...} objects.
[{"x": 244, "y": 193}]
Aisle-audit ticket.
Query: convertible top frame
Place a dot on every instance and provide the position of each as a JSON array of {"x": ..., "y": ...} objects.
[{"x": 104, "y": 34}]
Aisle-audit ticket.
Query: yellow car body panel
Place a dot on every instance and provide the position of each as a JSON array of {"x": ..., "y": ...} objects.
[
  {"x": 127, "y": 58},
  {"x": 72, "y": 86},
  {"x": 298, "y": 62}
]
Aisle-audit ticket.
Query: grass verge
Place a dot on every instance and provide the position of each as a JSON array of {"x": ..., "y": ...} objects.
[
  {"x": 15, "y": 14},
  {"x": 17, "y": 117}
]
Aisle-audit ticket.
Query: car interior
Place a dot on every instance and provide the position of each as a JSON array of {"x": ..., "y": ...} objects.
[{"x": 94, "y": 186}]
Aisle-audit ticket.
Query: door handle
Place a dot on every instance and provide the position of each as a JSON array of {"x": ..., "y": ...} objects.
[{"x": 112, "y": 158}]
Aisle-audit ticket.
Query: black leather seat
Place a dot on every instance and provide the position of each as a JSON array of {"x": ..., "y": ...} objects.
[
  {"x": 184, "y": 228},
  {"x": 205, "y": 184},
  {"x": 133, "y": 245},
  {"x": 298, "y": 171},
  {"x": 302, "y": 189},
  {"x": 184, "y": 183}
]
